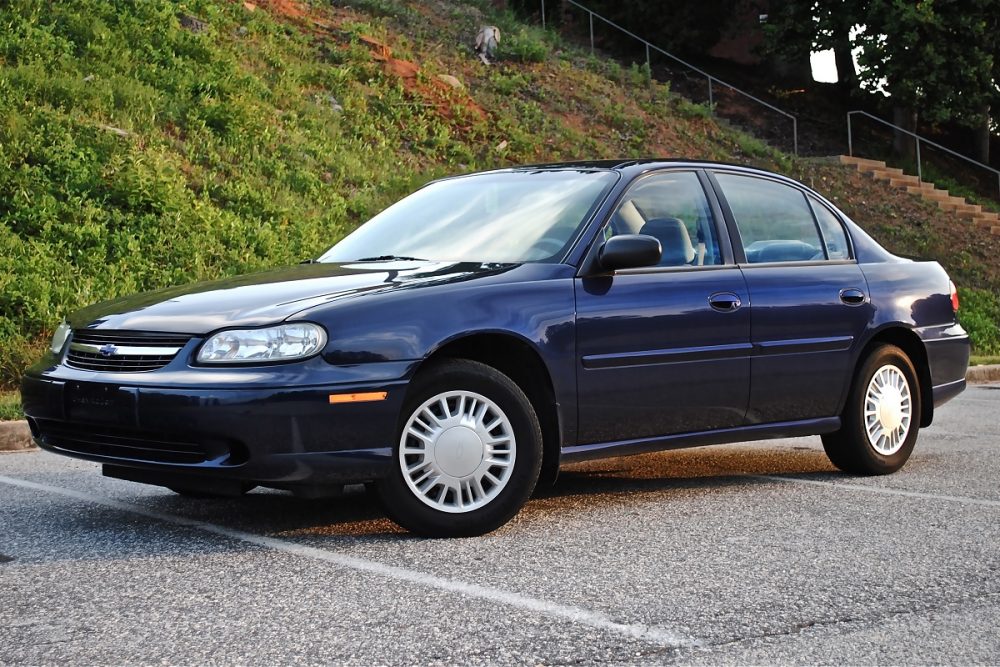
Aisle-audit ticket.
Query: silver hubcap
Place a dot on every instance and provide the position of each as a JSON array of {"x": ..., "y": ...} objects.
[
  {"x": 457, "y": 451},
  {"x": 888, "y": 410}
]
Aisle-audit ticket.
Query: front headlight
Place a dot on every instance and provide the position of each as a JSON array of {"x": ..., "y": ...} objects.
[
  {"x": 59, "y": 337},
  {"x": 246, "y": 346}
]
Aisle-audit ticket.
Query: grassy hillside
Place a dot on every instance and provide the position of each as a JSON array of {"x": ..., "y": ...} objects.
[{"x": 150, "y": 143}]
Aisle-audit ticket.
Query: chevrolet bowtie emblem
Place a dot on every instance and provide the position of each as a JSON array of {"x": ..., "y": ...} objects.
[{"x": 108, "y": 350}]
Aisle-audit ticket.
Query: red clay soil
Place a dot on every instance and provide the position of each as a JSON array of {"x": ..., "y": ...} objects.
[
  {"x": 287, "y": 8},
  {"x": 452, "y": 104},
  {"x": 433, "y": 91}
]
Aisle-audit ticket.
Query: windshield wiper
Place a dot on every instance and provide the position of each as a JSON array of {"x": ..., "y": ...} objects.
[{"x": 388, "y": 258}]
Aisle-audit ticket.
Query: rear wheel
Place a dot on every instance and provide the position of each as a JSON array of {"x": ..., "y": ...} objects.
[
  {"x": 468, "y": 453},
  {"x": 882, "y": 417}
]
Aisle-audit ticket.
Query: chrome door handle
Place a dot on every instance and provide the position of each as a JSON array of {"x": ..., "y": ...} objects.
[
  {"x": 852, "y": 296},
  {"x": 724, "y": 302}
]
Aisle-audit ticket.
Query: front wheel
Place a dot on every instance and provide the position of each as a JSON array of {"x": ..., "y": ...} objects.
[
  {"x": 468, "y": 454},
  {"x": 882, "y": 417}
]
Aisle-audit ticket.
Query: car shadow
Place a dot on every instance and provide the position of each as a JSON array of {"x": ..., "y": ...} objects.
[
  {"x": 357, "y": 517},
  {"x": 580, "y": 488}
]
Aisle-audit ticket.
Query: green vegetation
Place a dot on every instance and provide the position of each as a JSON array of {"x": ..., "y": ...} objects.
[
  {"x": 141, "y": 148},
  {"x": 140, "y": 153},
  {"x": 979, "y": 313},
  {"x": 10, "y": 406},
  {"x": 939, "y": 58},
  {"x": 523, "y": 44}
]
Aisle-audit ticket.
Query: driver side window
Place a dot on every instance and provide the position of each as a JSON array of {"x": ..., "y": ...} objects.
[{"x": 671, "y": 207}]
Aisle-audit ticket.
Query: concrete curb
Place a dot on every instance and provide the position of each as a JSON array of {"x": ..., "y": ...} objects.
[
  {"x": 15, "y": 437},
  {"x": 979, "y": 374}
]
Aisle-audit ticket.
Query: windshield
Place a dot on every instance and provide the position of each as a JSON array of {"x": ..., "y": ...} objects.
[{"x": 514, "y": 216}]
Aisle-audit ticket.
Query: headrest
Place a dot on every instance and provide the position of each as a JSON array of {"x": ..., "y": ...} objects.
[{"x": 673, "y": 237}]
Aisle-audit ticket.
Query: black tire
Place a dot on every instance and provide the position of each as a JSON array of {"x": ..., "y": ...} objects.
[
  {"x": 850, "y": 448},
  {"x": 403, "y": 504}
]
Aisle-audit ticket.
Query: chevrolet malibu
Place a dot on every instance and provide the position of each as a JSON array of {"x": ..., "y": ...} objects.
[{"x": 462, "y": 344}]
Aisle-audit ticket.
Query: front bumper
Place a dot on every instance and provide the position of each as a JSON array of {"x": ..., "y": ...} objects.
[{"x": 278, "y": 435}]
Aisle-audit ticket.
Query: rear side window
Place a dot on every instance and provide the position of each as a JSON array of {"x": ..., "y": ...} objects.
[
  {"x": 775, "y": 221},
  {"x": 834, "y": 235}
]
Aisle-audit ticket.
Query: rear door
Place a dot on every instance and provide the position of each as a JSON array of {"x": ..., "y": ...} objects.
[
  {"x": 810, "y": 301},
  {"x": 664, "y": 349}
]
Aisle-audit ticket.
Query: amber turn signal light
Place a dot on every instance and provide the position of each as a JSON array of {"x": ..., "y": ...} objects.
[{"x": 363, "y": 397}]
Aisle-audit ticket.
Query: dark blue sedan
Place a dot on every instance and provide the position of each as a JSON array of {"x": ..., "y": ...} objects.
[{"x": 463, "y": 343}]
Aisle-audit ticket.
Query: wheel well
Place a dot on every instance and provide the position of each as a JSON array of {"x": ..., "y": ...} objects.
[
  {"x": 522, "y": 364},
  {"x": 911, "y": 344}
]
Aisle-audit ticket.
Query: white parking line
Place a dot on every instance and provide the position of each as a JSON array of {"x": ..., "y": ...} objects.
[
  {"x": 652, "y": 634},
  {"x": 876, "y": 489}
]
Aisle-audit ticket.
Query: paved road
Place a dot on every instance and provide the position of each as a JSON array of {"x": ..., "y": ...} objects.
[{"x": 754, "y": 553}]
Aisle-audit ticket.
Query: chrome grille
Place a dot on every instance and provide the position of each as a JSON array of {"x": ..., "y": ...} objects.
[{"x": 123, "y": 351}]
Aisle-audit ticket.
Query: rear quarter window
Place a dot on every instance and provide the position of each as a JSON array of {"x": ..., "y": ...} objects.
[{"x": 834, "y": 236}]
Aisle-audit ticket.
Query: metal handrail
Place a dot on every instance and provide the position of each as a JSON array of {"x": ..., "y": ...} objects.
[
  {"x": 711, "y": 79},
  {"x": 918, "y": 138}
]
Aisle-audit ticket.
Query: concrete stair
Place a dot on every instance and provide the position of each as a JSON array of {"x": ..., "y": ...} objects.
[{"x": 945, "y": 201}]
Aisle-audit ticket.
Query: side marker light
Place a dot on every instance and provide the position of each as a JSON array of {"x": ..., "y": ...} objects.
[{"x": 363, "y": 397}]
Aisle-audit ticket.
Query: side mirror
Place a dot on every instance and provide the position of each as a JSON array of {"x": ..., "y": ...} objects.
[{"x": 629, "y": 251}]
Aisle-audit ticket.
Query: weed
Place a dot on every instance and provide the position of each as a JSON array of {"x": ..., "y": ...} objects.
[
  {"x": 10, "y": 406},
  {"x": 640, "y": 75},
  {"x": 523, "y": 45},
  {"x": 688, "y": 109},
  {"x": 509, "y": 82}
]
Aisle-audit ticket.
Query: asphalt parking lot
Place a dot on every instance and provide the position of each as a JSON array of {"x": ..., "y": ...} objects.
[{"x": 756, "y": 553}]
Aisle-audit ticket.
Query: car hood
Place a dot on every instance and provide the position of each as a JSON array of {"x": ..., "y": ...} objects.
[{"x": 266, "y": 298}]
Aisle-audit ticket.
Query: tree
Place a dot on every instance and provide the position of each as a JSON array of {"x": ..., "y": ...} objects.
[
  {"x": 790, "y": 35},
  {"x": 936, "y": 60},
  {"x": 836, "y": 26},
  {"x": 936, "y": 57},
  {"x": 681, "y": 27},
  {"x": 797, "y": 28}
]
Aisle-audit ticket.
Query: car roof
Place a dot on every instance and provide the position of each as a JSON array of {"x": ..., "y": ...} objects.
[{"x": 630, "y": 167}]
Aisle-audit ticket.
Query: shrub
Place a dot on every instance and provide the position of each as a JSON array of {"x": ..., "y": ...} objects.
[
  {"x": 525, "y": 45},
  {"x": 979, "y": 314}
]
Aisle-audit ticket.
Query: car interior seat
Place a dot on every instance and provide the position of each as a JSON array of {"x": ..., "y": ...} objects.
[{"x": 674, "y": 239}]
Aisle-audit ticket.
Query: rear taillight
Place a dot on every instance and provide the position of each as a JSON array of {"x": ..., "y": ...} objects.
[{"x": 954, "y": 296}]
